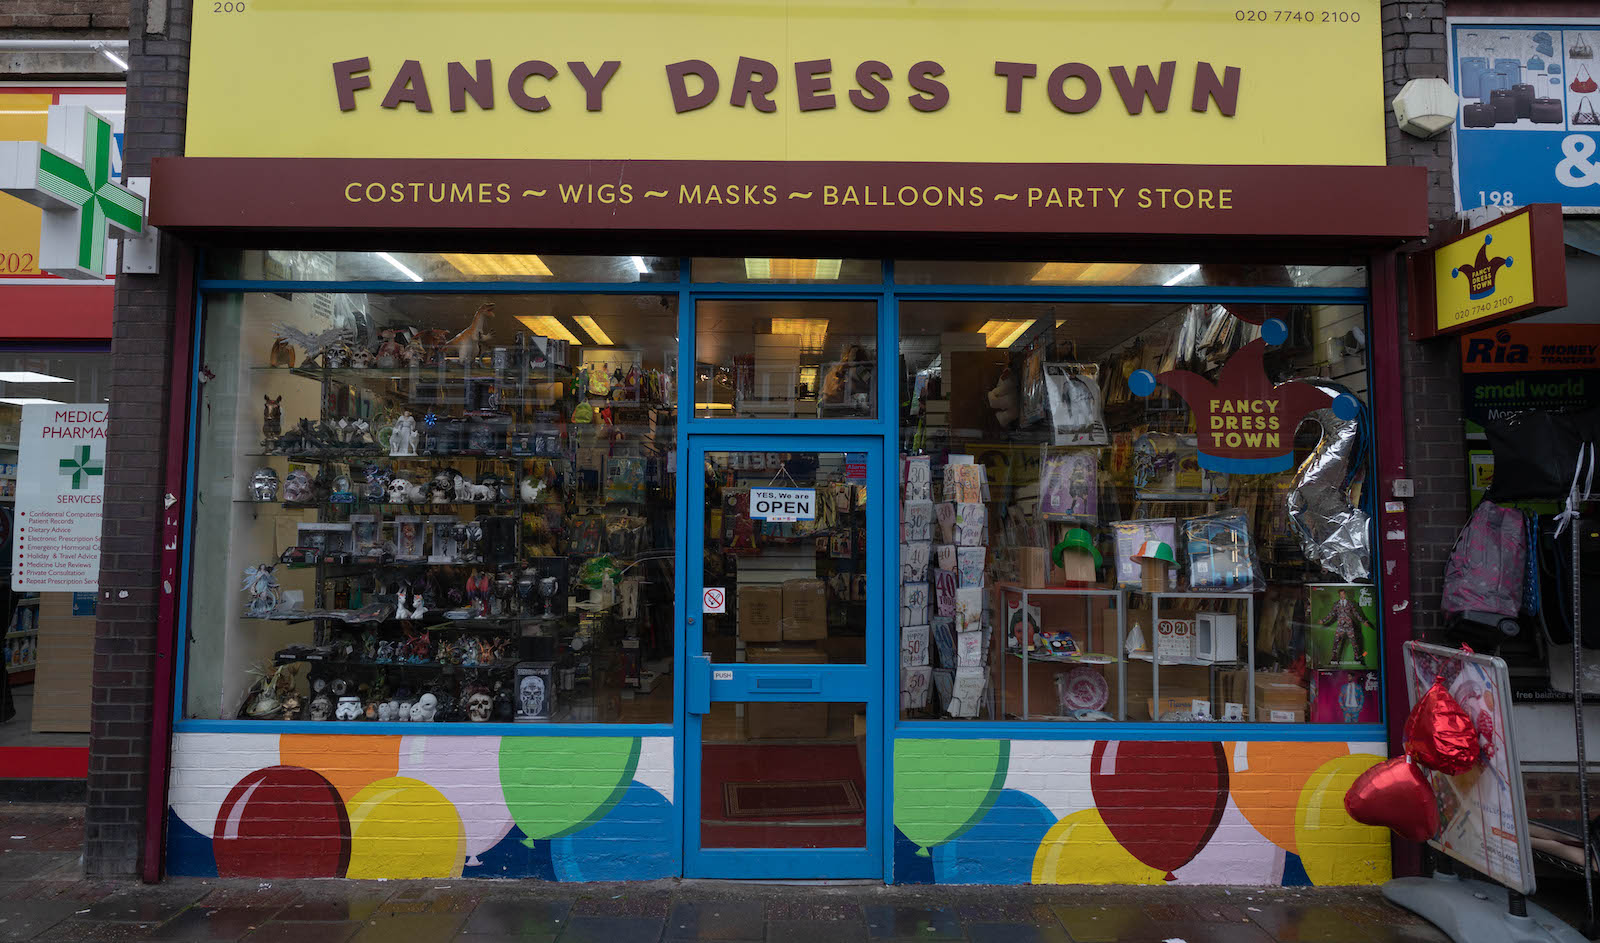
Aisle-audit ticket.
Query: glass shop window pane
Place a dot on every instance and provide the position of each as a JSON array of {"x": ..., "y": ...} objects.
[
  {"x": 769, "y": 271},
  {"x": 315, "y": 265},
  {"x": 1073, "y": 550},
  {"x": 1103, "y": 274},
  {"x": 786, "y": 359},
  {"x": 453, "y": 508}
]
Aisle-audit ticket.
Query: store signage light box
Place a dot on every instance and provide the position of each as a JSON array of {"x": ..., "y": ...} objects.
[{"x": 1513, "y": 266}]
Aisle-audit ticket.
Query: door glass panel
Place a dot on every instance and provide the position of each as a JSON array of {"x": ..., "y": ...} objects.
[
  {"x": 786, "y": 537},
  {"x": 783, "y": 775},
  {"x": 786, "y": 359}
]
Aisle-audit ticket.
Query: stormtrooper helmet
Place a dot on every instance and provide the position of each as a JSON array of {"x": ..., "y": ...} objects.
[
  {"x": 321, "y": 707},
  {"x": 349, "y": 708},
  {"x": 398, "y": 489},
  {"x": 479, "y": 706}
]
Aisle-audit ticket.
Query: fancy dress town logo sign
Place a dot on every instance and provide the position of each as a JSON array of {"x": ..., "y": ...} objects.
[{"x": 69, "y": 178}]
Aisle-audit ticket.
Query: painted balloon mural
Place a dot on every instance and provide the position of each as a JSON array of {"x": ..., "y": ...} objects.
[{"x": 603, "y": 808}]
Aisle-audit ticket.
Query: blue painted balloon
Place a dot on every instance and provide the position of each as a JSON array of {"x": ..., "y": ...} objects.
[
  {"x": 1000, "y": 848},
  {"x": 189, "y": 853},
  {"x": 514, "y": 856},
  {"x": 632, "y": 843},
  {"x": 1142, "y": 382},
  {"x": 1274, "y": 331}
]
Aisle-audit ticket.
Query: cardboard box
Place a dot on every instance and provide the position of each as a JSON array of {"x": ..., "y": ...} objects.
[
  {"x": 1341, "y": 696},
  {"x": 761, "y": 613},
  {"x": 1033, "y": 567},
  {"x": 805, "y": 610},
  {"x": 1180, "y": 684},
  {"x": 1279, "y": 716},
  {"x": 765, "y": 720}
]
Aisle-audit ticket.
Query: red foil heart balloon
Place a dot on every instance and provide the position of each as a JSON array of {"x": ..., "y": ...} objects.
[
  {"x": 1439, "y": 734},
  {"x": 1395, "y": 795}
]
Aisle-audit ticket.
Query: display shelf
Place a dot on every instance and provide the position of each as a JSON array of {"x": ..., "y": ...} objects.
[
  {"x": 282, "y": 659},
  {"x": 18, "y": 669},
  {"x": 467, "y": 624},
  {"x": 28, "y": 602},
  {"x": 27, "y": 633},
  {"x": 1248, "y": 598},
  {"x": 1088, "y": 594},
  {"x": 378, "y": 505}
]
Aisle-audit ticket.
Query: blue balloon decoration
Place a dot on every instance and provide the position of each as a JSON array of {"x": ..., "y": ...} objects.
[
  {"x": 1142, "y": 382},
  {"x": 1000, "y": 848},
  {"x": 189, "y": 853},
  {"x": 1346, "y": 407},
  {"x": 632, "y": 843},
  {"x": 1294, "y": 871},
  {"x": 909, "y": 866},
  {"x": 1274, "y": 331},
  {"x": 514, "y": 856}
]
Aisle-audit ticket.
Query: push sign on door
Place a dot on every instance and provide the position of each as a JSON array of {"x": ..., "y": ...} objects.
[{"x": 783, "y": 505}]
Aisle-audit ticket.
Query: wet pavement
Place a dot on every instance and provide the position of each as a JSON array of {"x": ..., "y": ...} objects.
[{"x": 43, "y": 898}]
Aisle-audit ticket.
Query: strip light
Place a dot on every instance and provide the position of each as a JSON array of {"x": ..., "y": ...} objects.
[
  {"x": 638, "y": 263},
  {"x": 400, "y": 265},
  {"x": 28, "y": 376},
  {"x": 549, "y": 327},
  {"x": 1181, "y": 276},
  {"x": 593, "y": 330},
  {"x": 29, "y": 401},
  {"x": 498, "y": 265},
  {"x": 1003, "y": 333},
  {"x": 793, "y": 269}
]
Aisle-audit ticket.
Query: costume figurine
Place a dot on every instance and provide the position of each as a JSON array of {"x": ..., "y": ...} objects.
[
  {"x": 469, "y": 342},
  {"x": 1347, "y": 614},
  {"x": 271, "y": 418},
  {"x": 282, "y": 353},
  {"x": 263, "y": 589},
  {"x": 403, "y": 438}
]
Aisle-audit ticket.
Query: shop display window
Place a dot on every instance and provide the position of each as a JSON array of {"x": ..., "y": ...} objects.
[
  {"x": 1120, "y": 274},
  {"x": 445, "y": 508},
  {"x": 783, "y": 359},
  {"x": 1136, "y": 512},
  {"x": 313, "y": 265}
]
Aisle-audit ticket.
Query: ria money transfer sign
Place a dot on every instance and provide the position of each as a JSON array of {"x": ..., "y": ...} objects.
[{"x": 61, "y": 476}]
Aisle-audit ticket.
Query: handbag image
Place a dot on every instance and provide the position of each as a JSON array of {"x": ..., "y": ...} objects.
[
  {"x": 1535, "y": 64},
  {"x": 1504, "y": 105},
  {"x": 1479, "y": 115},
  {"x": 1546, "y": 111},
  {"x": 1580, "y": 48},
  {"x": 1523, "y": 96},
  {"x": 1586, "y": 113},
  {"x": 1583, "y": 83}
]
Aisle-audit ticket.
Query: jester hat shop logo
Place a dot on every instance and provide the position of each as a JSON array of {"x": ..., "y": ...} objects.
[
  {"x": 69, "y": 177},
  {"x": 80, "y": 466},
  {"x": 1481, "y": 271},
  {"x": 1244, "y": 424}
]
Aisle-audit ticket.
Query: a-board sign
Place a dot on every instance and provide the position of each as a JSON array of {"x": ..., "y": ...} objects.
[{"x": 783, "y": 505}]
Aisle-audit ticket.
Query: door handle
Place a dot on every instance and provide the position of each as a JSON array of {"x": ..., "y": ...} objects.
[{"x": 699, "y": 685}]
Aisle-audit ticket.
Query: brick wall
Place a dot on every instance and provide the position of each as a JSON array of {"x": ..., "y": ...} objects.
[
  {"x": 64, "y": 19},
  {"x": 125, "y": 665},
  {"x": 1414, "y": 47}
]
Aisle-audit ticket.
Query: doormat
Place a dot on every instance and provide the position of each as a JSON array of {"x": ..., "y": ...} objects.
[{"x": 782, "y": 799}]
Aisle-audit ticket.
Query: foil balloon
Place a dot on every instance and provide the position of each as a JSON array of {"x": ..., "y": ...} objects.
[
  {"x": 1333, "y": 533},
  {"x": 1395, "y": 795},
  {"x": 1439, "y": 734}
]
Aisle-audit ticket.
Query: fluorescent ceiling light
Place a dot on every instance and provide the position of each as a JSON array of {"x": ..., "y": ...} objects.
[
  {"x": 401, "y": 266},
  {"x": 793, "y": 269},
  {"x": 811, "y": 331},
  {"x": 713, "y": 405},
  {"x": 116, "y": 60},
  {"x": 1003, "y": 333},
  {"x": 498, "y": 265},
  {"x": 28, "y": 376},
  {"x": 593, "y": 330},
  {"x": 549, "y": 327},
  {"x": 638, "y": 263},
  {"x": 1101, "y": 272},
  {"x": 1181, "y": 276},
  {"x": 29, "y": 401}
]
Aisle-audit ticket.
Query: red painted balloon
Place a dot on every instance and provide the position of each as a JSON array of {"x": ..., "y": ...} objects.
[
  {"x": 1395, "y": 795},
  {"x": 1439, "y": 734},
  {"x": 282, "y": 822},
  {"x": 1161, "y": 800}
]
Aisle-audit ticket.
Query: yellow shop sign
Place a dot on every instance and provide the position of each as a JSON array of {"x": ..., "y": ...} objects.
[
  {"x": 1028, "y": 81},
  {"x": 1513, "y": 266}
]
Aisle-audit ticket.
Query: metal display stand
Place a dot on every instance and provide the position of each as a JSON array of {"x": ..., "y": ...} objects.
[
  {"x": 1249, "y": 647},
  {"x": 1088, "y": 594}
]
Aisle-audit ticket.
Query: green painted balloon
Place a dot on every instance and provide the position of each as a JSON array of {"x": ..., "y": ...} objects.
[
  {"x": 944, "y": 787},
  {"x": 555, "y": 786}
]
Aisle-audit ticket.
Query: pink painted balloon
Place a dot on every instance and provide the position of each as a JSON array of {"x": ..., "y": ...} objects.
[
  {"x": 282, "y": 822},
  {"x": 467, "y": 771}
]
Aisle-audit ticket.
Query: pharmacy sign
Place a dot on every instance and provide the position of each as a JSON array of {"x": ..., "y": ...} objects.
[{"x": 69, "y": 177}]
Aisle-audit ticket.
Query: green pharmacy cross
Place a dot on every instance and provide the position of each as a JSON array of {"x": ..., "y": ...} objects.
[
  {"x": 81, "y": 467},
  {"x": 70, "y": 179}
]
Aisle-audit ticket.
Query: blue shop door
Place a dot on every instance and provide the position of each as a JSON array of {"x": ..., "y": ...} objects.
[{"x": 787, "y": 566}]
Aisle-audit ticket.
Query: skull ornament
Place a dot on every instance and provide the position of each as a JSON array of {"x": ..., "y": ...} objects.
[
  {"x": 398, "y": 489},
  {"x": 479, "y": 706},
  {"x": 321, "y": 707}
]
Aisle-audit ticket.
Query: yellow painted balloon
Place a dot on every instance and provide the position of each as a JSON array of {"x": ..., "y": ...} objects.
[
  {"x": 350, "y": 763},
  {"x": 1265, "y": 779},
  {"x": 404, "y": 828},
  {"x": 1079, "y": 849},
  {"x": 1333, "y": 847}
]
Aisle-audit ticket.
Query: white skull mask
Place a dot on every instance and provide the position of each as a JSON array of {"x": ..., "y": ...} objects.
[
  {"x": 398, "y": 488},
  {"x": 321, "y": 707},
  {"x": 479, "y": 707}
]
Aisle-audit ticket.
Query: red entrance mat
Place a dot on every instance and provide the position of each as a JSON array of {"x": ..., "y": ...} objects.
[{"x": 782, "y": 799}]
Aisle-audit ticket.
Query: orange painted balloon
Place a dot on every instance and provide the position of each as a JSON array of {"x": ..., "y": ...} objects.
[
  {"x": 350, "y": 763},
  {"x": 1265, "y": 779}
]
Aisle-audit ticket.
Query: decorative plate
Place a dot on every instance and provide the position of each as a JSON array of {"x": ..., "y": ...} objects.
[{"x": 1084, "y": 689}]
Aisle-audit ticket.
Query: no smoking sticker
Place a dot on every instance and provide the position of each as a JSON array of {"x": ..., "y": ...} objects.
[{"x": 714, "y": 600}]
